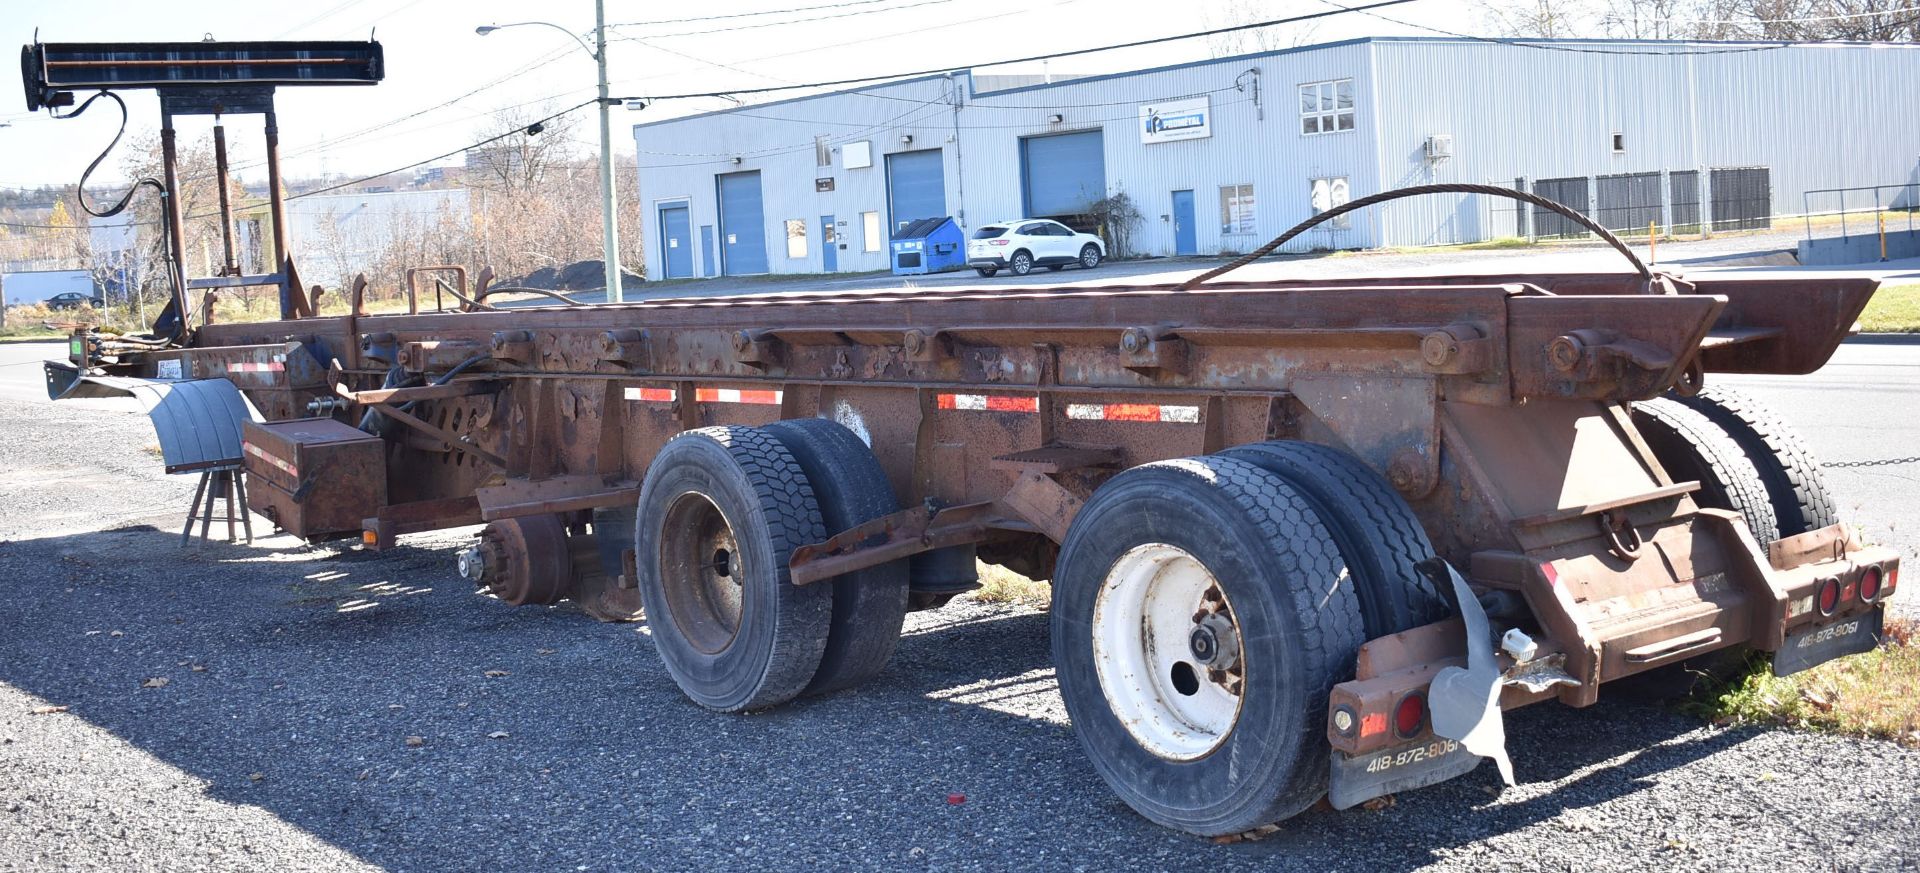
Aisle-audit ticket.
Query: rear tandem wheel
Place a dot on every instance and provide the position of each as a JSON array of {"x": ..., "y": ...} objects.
[
  {"x": 1202, "y": 613},
  {"x": 719, "y": 515}
]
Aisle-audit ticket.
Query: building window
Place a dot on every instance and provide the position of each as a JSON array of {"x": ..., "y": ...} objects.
[
  {"x": 822, "y": 153},
  {"x": 1328, "y": 193},
  {"x": 870, "y": 231},
  {"x": 796, "y": 238},
  {"x": 1236, "y": 209},
  {"x": 1326, "y": 107}
]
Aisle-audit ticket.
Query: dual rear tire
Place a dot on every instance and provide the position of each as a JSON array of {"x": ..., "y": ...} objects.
[
  {"x": 1203, "y": 610},
  {"x": 719, "y": 515}
]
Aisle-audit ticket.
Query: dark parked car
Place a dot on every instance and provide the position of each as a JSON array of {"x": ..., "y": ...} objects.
[{"x": 74, "y": 300}]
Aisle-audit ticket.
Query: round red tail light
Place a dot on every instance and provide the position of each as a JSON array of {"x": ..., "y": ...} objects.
[
  {"x": 1829, "y": 596},
  {"x": 1870, "y": 585},
  {"x": 1410, "y": 715}
]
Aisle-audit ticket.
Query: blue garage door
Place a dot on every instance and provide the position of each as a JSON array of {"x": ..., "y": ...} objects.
[
  {"x": 676, "y": 242},
  {"x": 916, "y": 187},
  {"x": 743, "y": 227},
  {"x": 1062, "y": 175}
]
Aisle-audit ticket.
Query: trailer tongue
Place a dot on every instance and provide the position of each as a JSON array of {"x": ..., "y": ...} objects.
[{"x": 1307, "y": 539}]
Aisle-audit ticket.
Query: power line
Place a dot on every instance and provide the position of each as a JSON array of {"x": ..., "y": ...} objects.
[
  {"x": 488, "y": 141},
  {"x": 814, "y": 49},
  {"x": 763, "y": 24},
  {"x": 1040, "y": 57},
  {"x": 1546, "y": 46},
  {"x": 748, "y": 14},
  {"x": 970, "y": 105}
]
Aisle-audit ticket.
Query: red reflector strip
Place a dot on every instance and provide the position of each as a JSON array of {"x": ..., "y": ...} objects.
[
  {"x": 988, "y": 402},
  {"x": 735, "y": 395},
  {"x": 1133, "y": 412},
  {"x": 246, "y": 367},
  {"x": 1373, "y": 723},
  {"x": 655, "y": 395},
  {"x": 262, "y": 454}
]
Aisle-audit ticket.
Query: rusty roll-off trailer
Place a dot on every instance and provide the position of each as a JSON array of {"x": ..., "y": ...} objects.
[
  {"x": 1218, "y": 480},
  {"x": 1306, "y": 538}
]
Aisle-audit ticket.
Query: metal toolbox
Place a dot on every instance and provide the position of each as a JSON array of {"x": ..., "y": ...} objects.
[{"x": 315, "y": 477}]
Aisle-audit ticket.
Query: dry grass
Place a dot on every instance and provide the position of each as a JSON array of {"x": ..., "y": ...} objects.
[
  {"x": 1875, "y": 694},
  {"x": 1001, "y": 585},
  {"x": 1894, "y": 309}
]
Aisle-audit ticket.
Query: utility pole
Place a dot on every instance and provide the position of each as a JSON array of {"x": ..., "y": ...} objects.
[{"x": 610, "y": 222}]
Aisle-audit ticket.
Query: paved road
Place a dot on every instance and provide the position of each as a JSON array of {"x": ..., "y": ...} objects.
[{"x": 295, "y": 676}]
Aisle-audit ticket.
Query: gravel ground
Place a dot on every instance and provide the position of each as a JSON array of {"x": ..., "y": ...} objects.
[{"x": 295, "y": 676}]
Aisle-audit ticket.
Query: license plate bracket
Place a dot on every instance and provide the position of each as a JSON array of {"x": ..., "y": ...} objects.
[
  {"x": 1822, "y": 643},
  {"x": 1355, "y": 779}
]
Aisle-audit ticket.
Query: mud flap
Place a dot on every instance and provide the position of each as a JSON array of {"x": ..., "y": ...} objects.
[
  {"x": 1822, "y": 643},
  {"x": 1465, "y": 702},
  {"x": 1355, "y": 779}
]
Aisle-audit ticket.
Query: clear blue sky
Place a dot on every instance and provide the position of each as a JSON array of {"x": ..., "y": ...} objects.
[{"x": 443, "y": 80}]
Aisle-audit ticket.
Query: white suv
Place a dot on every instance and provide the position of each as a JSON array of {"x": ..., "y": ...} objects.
[{"x": 1019, "y": 246}]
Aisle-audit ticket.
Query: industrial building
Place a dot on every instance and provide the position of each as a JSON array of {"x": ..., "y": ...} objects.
[{"x": 1219, "y": 156}]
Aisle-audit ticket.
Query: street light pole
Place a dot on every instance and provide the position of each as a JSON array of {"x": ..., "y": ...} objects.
[{"x": 610, "y": 217}]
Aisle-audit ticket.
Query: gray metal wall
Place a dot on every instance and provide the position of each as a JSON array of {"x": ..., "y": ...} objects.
[
  {"x": 1270, "y": 153},
  {"x": 679, "y": 159},
  {"x": 1819, "y": 116}
]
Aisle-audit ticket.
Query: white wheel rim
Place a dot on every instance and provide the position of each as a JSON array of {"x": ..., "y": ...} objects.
[{"x": 1144, "y": 619}]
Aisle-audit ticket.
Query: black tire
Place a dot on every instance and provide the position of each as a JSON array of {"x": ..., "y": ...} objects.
[
  {"x": 1377, "y": 532},
  {"x": 1280, "y": 570},
  {"x": 1692, "y": 447},
  {"x": 742, "y": 483},
  {"x": 1020, "y": 264},
  {"x": 1795, "y": 485},
  {"x": 986, "y": 272},
  {"x": 868, "y": 605},
  {"x": 1089, "y": 256}
]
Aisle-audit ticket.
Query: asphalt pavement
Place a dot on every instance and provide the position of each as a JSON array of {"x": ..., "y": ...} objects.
[{"x": 294, "y": 707}]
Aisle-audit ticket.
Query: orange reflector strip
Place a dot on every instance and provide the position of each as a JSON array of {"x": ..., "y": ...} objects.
[
  {"x": 655, "y": 395},
  {"x": 1133, "y": 412},
  {"x": 262, "y": 454},
  {"x": 707, "y": 395},
  {"x": 735, "y": 395},
  {"x": 1373, "y": 723},
  {"x": 988, "y": 402}
]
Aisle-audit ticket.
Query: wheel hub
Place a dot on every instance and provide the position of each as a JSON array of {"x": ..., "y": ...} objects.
[{"x": 1168, "y": 652}]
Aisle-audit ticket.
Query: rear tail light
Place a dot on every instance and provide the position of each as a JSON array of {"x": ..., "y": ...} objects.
[
  {"x": 1870, "y": 585},
  {"x": 1410, "y": 715},
  {"x": 1829, "y": 595}
]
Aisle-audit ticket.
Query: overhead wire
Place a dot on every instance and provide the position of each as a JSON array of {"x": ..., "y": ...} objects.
[
  {"x": 1521, "y": 42},
  {"x": 1138, "y": 43},
  {"x": 733, "y": 15},
  {"x": 765, "y": 24}
]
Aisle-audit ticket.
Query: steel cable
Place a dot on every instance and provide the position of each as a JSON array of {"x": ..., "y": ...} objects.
[{"x": 1416, "y": 191}]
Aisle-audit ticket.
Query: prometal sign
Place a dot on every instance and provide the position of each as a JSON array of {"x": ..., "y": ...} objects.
[{"x": 1176, "y": 120}]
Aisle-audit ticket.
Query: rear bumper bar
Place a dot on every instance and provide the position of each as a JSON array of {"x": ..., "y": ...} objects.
[{"x": 1596, "y": 619}]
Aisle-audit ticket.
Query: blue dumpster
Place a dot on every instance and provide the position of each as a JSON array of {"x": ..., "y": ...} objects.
[{"x": 929, "y": 245}]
